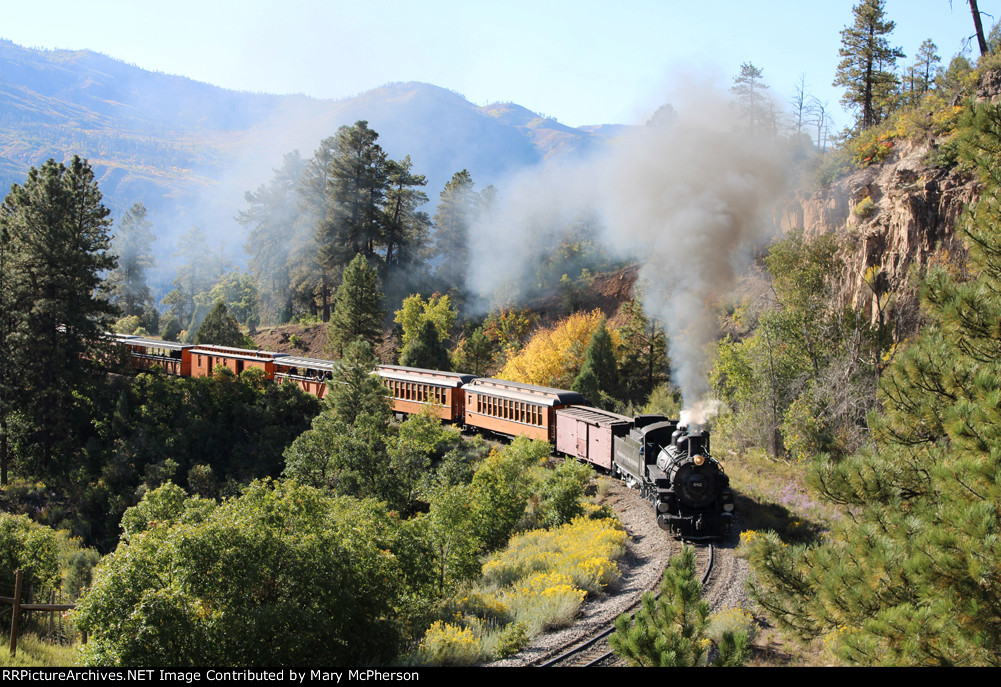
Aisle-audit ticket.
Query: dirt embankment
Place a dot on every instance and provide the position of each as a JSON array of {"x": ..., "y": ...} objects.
[
  {"x": 608, "y": 292},
  {"x": 294, "y": 339}
]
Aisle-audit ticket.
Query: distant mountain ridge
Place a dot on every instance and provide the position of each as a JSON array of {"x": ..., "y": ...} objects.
[{"x": 167, "y": 140}]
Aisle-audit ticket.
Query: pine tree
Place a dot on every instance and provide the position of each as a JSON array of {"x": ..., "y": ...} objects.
[
  {"x": 474, "y": 354},
  {"x": 598, "y": 379},
  {"x": 644, "y": 362},
  {"x": 275, "y": 226},
  {"x": 669, "y": 630},
  {"x": 132, "y": 244},
  {"x": 406, "y": 227},
  {"x": 426, "y": 349},
  {"x": 311, "y": 279},
  {"x": 345, "y": 450},
  {"x": 171, "y": 330},
  {"x": 457, "y": 210},
  {"x": 199, "y": 270},
  {"x": 11, "y": 314},
  {"x": 866, "y": 69},
  {"x": 358, "y": 308},
  {"x": 220, "y": 328},
  {"x": 56, "y": 246},
  {"x": 925, "y": 67},
  {"x": 356, "y": 187},
  {"x": 753, "y": 105}
]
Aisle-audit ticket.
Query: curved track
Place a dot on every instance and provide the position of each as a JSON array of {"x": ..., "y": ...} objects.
[
  {"x": 649, "y": 551},
  {"x": 595, "y": 651}
]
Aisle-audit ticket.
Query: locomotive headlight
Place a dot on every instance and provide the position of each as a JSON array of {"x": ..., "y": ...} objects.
[{"x": 699, "y": 460}]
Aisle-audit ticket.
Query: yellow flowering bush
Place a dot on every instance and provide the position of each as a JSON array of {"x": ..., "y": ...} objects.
[
  {"x": 449, "y": 645},
  {"x": 484, "y": 606},
  {"x": 545, "y": 600},
  {"x": 545, "y": 575}
]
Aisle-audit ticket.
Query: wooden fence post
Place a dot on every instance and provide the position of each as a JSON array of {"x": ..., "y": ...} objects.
[
  {"x": 52, "y": 602},
  {"x": 15, "y": 615}
]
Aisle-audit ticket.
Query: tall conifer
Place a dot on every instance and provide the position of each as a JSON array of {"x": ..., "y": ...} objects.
[
  {"x": 598, "y": 379},
  {"x": 866, "y": 70},
  {"x": 132, "y": 245},
  {"x": 55, "y": 235},
  {"x": 220, "y": 328},
  {"x": 358, "y": 308}
]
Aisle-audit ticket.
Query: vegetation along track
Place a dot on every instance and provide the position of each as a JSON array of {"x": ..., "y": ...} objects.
[{"x": 649, "y": 551}]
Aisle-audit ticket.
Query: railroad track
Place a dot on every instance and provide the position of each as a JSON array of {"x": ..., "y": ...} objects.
[{"x": 595, "y": 651}]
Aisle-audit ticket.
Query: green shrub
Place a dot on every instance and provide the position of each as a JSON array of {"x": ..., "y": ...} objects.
[
  {"x": 563, "y": 493},
  {"x": 804, "y": 432},
  {"x": 511, "y": 640},
  {"x": 32, "y": 548},
  {"x": 280, "y": 575},
  {"x": 865, "y": 208},
  {"x": 127, "y": 325}
]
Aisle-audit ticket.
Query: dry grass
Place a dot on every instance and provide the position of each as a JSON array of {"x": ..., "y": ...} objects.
[
  {"x": 33, "y": 652},
  {"x": 773, "y": 495}
]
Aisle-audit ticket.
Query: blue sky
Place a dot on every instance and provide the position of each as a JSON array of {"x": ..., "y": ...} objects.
[{"x": 582, "y": 62}]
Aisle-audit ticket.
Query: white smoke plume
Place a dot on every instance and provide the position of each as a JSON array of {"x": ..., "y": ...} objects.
[{"x": 689, "y": 201}]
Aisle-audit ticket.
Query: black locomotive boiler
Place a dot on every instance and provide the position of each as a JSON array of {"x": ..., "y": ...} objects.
[{"x": 674, "y": 470}]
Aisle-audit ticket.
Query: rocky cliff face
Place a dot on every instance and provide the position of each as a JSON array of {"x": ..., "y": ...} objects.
[{"x": 909, "y": 218}]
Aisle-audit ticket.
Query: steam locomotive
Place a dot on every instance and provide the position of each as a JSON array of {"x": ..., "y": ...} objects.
[
  {"x": 672, "y": 467},
  {"x": 668, "y": 462}
]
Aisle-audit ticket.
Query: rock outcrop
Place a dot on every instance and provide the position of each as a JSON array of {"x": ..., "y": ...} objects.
[{"x": 894, "y": 215}]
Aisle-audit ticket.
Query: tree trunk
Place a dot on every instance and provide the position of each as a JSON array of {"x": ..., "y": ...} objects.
[{"x": 981, "y": 41}]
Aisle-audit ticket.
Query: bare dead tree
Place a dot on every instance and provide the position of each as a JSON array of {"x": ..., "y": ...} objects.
[
  {"x": 978, "y": 25},
  {"x": 817, "y": 113},
  {"x": 800, "y": 104}
]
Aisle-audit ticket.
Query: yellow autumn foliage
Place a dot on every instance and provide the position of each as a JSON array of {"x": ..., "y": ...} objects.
[{"x": 554, "y": 355}]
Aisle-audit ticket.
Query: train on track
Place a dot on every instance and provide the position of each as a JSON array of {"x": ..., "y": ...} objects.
[{"x": 669, "y": 464}]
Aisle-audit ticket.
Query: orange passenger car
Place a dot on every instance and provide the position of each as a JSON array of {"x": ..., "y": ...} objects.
[
  {"x": 411, "y": 389},
  {"x": 516, "y": 409},
  {"x": 145, "y": 354},
  {"x": 310, "y": 374},
  {"x": 204, "y": 359}
]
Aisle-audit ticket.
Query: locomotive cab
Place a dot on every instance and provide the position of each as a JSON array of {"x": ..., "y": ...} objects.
[{"x": 636, "y": 452}]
